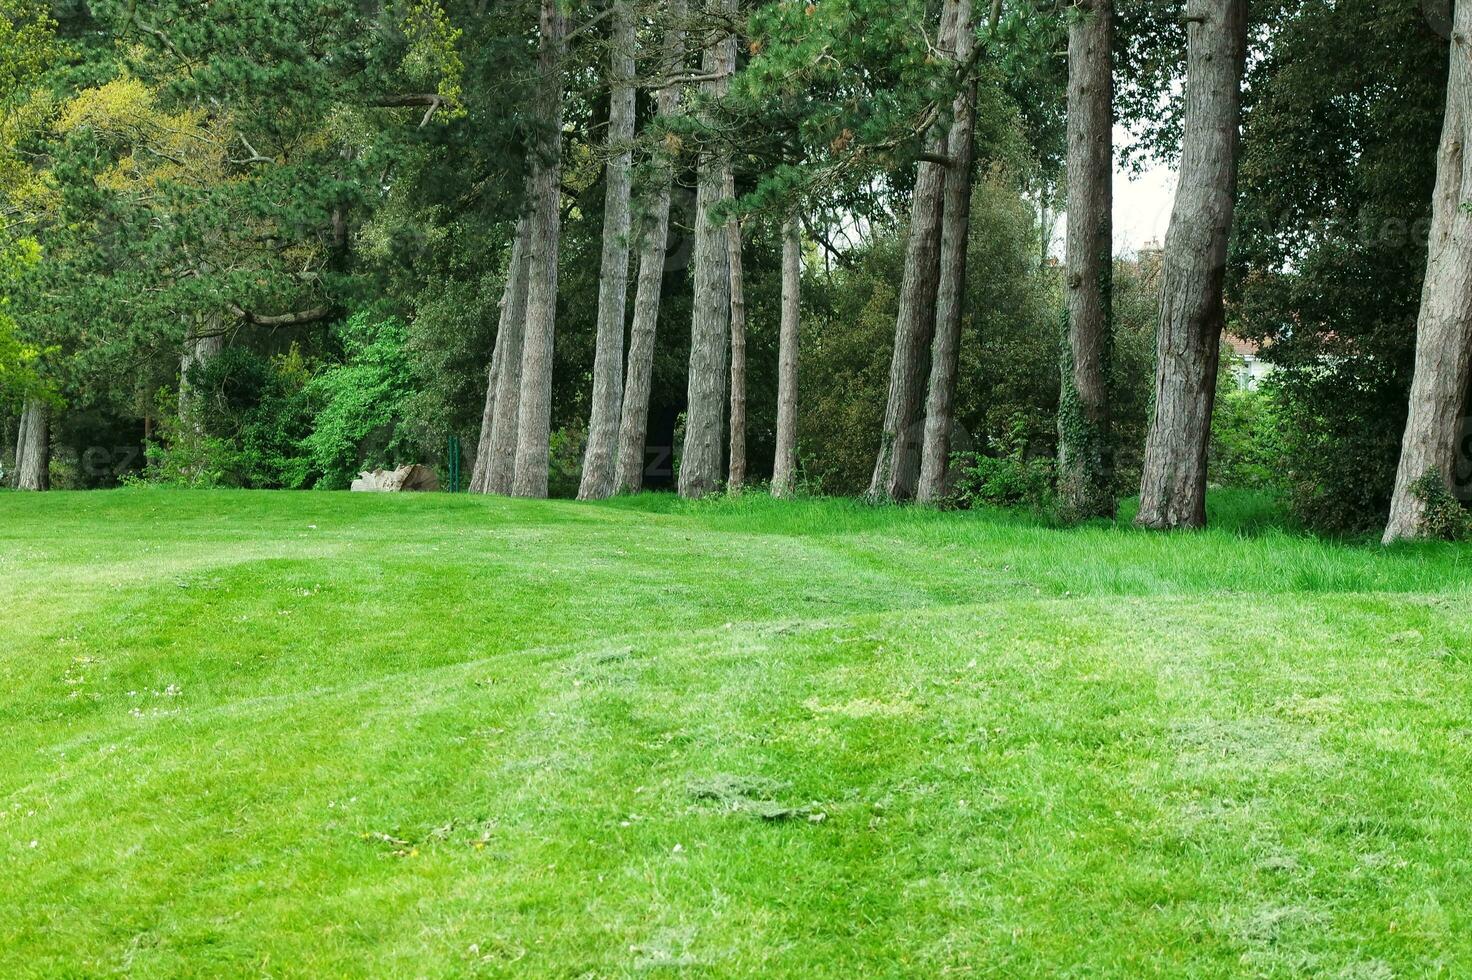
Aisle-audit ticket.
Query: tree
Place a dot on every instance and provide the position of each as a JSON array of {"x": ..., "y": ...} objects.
[
  {"x": 1192, "y": 316},
  {"x": 784, "y": 468},
  {"x": 535, "y": 413},
  {"x": 600, "y": 458},
  {"x": 700, "y": 461},
  {"x": 951, "y": 288},
  {"x": 33, "y": 450},
  {"x": 736, "y": 471},
  {"x": 1329, "y": 241},
  {"x": 1085, "y": 459},
  {"x": 1434, "y": 428},
  {"x": 654, "y": 243},
  {"x": 897, "y": 468},
  {"x": 495, "y": 456}
]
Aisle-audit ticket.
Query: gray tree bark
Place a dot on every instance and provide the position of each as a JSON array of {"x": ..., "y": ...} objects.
[
  {"x": 700, "y": 461},
  {"x": 534, "y": 423},
  {"x": 1085, "y": 458},
  {"x": 600, "y": 457},
  {"x": 736, "y": 471},
  {"x": 1173, "y": 485},
  {"x": 654, "y": 244},
  {"x": 203, "y": 342},
  {"x": 951, "y": 291},
  {"x": 505, "y": 426},
  {"x": 1444, "y": 328},
  {"x": 505, "y": 360},
  {"x": 784, "y": 468},
  {"x": 20, "y": 444},
  {"x": 897, "y": 468},
  {"x": 33, "y": 455}
]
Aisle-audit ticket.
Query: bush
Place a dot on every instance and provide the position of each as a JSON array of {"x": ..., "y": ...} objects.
[
  {"x": 1445, "y": 518},
  {"x": 1009, "y": 478},
  {"x": 360, "y": 406},
  {"x": 1246, "y": 443},
  {"x": 247, "y": 418}
]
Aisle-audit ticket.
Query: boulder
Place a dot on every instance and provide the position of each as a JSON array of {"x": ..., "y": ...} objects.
[{"x": 406, "y": 479}]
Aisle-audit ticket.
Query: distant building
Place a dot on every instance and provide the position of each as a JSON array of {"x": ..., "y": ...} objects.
[{"x": 1249, "y": 367}]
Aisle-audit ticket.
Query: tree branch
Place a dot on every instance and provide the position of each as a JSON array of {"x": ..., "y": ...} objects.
[{"x": 301, "y": 318}]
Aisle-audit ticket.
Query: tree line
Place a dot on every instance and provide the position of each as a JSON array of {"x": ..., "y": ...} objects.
[{"x": 294, "y": 237}]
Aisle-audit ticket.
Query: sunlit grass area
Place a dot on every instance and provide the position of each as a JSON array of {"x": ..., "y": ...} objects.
[{"x": 321, "y": 734}]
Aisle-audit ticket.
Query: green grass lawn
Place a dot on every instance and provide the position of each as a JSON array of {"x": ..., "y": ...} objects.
[{"x": 320, "y": 734}]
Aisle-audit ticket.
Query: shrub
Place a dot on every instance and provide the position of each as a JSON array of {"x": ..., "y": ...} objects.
[
  {"x": 1246, "y": 443},
  {"x": 359, "y": 406},
  {"x": 1009, "y": 478},
  {"x": 1445, "y": 519},
  {"x": 247, "y": 419}
]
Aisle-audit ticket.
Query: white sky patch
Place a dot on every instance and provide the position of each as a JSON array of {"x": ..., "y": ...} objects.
[{"x": 1142, "y": 205}]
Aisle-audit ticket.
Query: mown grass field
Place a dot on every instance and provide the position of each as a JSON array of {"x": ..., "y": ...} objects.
[{"x": 332, "y": 735}]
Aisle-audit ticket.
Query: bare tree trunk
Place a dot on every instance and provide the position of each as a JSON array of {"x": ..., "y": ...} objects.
[
  {"x": 700, "y": 462},
  {"x": 480, "y": 468},
  {"x": 1085, "y": 458},
  {"x": 634, "y": 425},
  {"x": 1444, "y": 330},
  {"x": 34, "y": 455},
  {"x": 897, "y": 468},
  {"x": 534, "y": 423},
  {"x": 951, "y": 292},
  {"x": 736, "y": 473},
  {"x": 505, "y": 424},
  {"x": 600, "y": 458},
  {"x": 506, "y": 358},
  {"x": 1173, "y": 486},
  {"x": 20, "y": 443},
  {"x": 784, "y": 469}
]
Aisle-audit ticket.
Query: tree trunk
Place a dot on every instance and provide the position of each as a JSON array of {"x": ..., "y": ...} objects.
[
  {"x": 20, "y": 443},
  {"x": 534, "y": 422},
  {"x": 634, "y": 425},
  {"x": 951, "y": 292},
  {"x": 505, "y": 359},
  {"x": 33, "y": 454},
  {"x": 600, "y": 458},
  {"x": 1173, "y": 486},
  {"x": 897, "y": 468},
  {"x": 700, "y": 461},
  {"x": 736, "y": 472},
  {"x": 1085, "y": 458},
  {"x": 202, "y": 344},
  {"x": 784, "y": 469},
  {"x": 1444, "y": 330},
  {"x": 505, "y": 425}
]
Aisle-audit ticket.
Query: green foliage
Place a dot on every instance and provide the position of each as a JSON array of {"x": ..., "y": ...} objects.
[
  {"x": 182, "y": 456},
  {"x": 18, "y": 359},
  {"x": 565, "y": 462},
  {"x": 1132, "y": 368},
  {"x": 1009, "y": 356},
  {"x": 1004, "y": 476},
  {"x": 1338, "y": 166},
  {"x": 1246, "y": 449},
  {"x": 1445, "y": 518},
  {"x": 244, "y": 427},
  {"x": 27, "y": 46},
  {"x": 433, "y": 58},
  {"x": 358, "y": 406}
]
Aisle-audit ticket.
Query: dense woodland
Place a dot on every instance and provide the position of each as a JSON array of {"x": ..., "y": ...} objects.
[{"x": 589, "y": 247}]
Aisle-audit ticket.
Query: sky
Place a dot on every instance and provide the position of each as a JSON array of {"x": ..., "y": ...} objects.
[{"x": 1142, "y": 204}]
